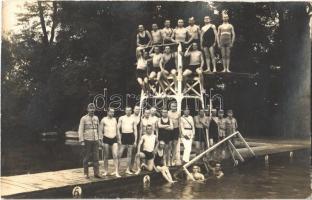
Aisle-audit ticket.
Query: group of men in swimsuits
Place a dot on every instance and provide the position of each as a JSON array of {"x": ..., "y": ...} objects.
[
  {"x": 154, "y": 138},
  {"x": 157, "y": 64}
]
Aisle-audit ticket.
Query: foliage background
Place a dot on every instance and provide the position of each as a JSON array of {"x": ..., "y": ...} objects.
[{"x": 66, "y": 52}]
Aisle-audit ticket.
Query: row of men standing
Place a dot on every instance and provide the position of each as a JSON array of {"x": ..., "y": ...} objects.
[{"x": 131, "y": 129}]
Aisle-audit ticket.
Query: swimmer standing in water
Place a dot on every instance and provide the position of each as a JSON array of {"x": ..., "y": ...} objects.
[{"x": 196, "y": 175}]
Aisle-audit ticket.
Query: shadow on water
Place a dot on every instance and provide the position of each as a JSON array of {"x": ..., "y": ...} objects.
[{"x": 282, "y": 177}]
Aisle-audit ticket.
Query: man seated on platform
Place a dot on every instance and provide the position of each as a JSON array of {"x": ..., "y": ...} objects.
[
  {"x": 150, "y": 143},
  {"x": 159, "y": 162},
  {"x": 142, "y": 70},
  {"x": 156, "y": 56},
  {"x": 196, "y": 62},
  {"x": 168, "y": 65}
]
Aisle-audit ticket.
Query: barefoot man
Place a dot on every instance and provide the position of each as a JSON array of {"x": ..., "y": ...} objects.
[
  {"x": 208, "y": 42},
  {"x": 127, "y": 131},
  {"x": 108, "y": 127},
  {"x": 226, "y": 36},
  {"x": 149, "y": 142}
]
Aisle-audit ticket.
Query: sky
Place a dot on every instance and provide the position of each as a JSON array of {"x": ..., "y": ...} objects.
[{"x": 9, "y": 10}]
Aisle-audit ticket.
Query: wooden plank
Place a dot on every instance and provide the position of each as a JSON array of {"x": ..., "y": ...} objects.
[{"x": 11, "y": 185}]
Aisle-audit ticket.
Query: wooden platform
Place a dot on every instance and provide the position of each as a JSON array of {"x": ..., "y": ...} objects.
[
  {"x": 21, "y": 186},
  {"x": 227, "y": 75}
]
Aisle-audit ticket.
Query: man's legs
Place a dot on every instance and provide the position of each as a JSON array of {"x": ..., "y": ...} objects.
[
  {"x": 223, "y": 54},
  {"x": 228, "y": 55},
  {"x": 129, "y": 156},
  {"x": 207, "y": 57},
  {"x": 106, "y": 153},
  {"x": 213, "y": 58},
  {"x": 121, "y": 149},
  {"x": 115, "y": 158},
  {"x": 138, "y": 157},
  {"x": 141, "y": 83},
  {"x": 187, "y": 143},
  {"x": 174, "y": 76},
  {"x": 95, "y": 157},
  {"x": 86, "y": 158}
]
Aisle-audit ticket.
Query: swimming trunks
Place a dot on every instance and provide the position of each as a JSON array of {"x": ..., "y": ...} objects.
[
  {"x": 170, "y": 65},
  {"x": 127, "y": 138},
  {"x": 164, "y": 134},
  {"x": 225, "y": 40},
  {"x": 109, "y": 141},
  {"x": 140, "y": 73},
  {"x": 175, "y": 134},
  {"x": 148, "y": 155},
  {"x": 192, "y": 68},
  {"x": 200, "y": 135},
  {"x": 208, "y": 38}
]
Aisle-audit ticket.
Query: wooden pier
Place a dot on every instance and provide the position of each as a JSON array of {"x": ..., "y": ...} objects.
[{"x": 37, "y": 185}]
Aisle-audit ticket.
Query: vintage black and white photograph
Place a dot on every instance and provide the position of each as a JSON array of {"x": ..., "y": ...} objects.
[{"x": 156, "y": 99}]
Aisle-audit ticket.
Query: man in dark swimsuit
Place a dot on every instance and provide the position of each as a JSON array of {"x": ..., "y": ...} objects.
[
  {"x": 213, "y": 128},
  {"x": 144, "y": 38},
  {"x": 165, "y": 126},
  {"x": 208, "y": 41}
]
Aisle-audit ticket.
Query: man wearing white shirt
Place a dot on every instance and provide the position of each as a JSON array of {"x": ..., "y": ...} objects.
[{"x": 188, "y": 132}]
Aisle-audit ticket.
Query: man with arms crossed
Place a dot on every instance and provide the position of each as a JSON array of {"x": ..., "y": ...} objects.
[
  {"x": 89, "y": 138},
  {"x": 108, "y": 127},
  {"x": 127, "y": 132}
]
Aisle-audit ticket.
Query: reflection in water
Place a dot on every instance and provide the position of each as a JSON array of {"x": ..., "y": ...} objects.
[{"x": 283, "y": 177}]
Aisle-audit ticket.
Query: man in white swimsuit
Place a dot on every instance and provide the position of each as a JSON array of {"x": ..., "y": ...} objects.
[
  {"x": 127, "y": 131},
  {"x": 108, "y": 127}
]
